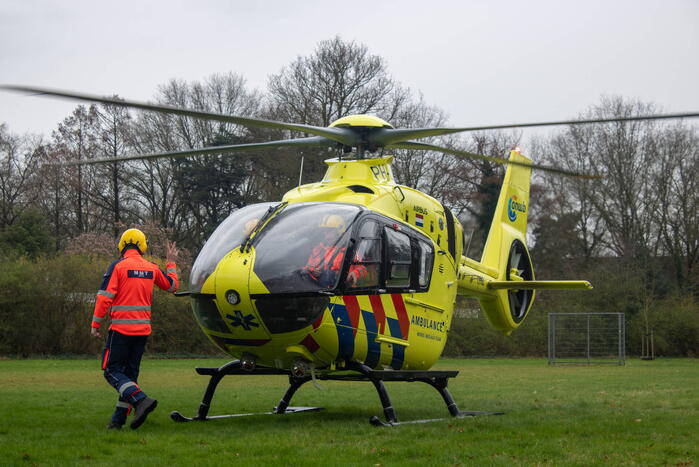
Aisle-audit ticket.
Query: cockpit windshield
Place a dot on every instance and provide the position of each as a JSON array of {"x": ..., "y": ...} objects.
[
  {"x": 230, "y": 234},
  {"x": 302, "y": 248}
]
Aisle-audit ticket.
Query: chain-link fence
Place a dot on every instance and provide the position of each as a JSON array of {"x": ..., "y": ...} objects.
[{"x": 586, "y": 338}]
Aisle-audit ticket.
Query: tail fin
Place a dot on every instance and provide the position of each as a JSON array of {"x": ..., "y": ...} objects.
[
  {"x": 506, "y": 251},
  {"x": 511, "y": 213}
]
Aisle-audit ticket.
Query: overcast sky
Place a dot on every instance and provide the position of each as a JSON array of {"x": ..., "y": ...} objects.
[{"x": 483, "y": 62}]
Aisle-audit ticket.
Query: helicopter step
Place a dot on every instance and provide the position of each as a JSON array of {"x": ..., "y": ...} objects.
[{"x": 352, "y": 372}]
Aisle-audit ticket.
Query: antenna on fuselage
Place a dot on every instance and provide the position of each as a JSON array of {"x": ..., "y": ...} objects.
[
  {"x": 301, "y": 171},
  {"x": 468, "y": 247}
]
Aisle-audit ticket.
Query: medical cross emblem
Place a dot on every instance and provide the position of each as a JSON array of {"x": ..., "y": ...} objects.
[{"x": 244, "y": 321}]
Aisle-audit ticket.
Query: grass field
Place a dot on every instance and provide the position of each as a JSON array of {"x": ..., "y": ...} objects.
[{"x": 54, "y": 412}]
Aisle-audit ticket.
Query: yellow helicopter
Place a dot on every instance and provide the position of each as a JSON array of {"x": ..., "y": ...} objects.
[{"x": 354, "y": 277}]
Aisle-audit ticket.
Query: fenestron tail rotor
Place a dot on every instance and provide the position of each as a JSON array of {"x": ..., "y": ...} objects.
[{"x": 363, "y": 132}]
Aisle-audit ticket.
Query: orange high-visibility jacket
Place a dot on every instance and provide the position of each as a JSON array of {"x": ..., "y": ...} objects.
[
  {"x": 331, "y": 258},
  {"x": 127, "y": 293}
]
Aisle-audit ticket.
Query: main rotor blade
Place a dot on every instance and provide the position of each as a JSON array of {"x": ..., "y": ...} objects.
[
  {"x": 313, "y": 141},
  {"x": 341, "y": 135},
  {"x": 497, "y": 160},
  {"x": 386, "y": 136}
]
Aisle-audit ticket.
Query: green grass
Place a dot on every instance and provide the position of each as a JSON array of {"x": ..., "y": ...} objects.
[{"x": 54, "y": 412}]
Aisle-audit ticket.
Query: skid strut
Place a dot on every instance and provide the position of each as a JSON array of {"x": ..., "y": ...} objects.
[
  {"x": 436, "y": 379},
  {"x": 353, "y": 372},
  {"x": 234, "y": 368}
]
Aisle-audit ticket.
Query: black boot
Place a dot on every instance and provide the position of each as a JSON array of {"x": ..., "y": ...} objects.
[{"x": 143, "y": 408}]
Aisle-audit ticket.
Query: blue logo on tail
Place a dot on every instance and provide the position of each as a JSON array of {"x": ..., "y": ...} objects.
[{"x": 513, "y": 207}]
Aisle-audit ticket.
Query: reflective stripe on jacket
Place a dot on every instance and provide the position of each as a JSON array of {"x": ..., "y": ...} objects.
[{"x": 127, "y": 293}]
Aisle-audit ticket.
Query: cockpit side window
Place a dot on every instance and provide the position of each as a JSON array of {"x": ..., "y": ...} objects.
[
  {"x": 365, "y": 268},
  {"x": 399, "y": 257},
  {"x": 425, "y": 262}
]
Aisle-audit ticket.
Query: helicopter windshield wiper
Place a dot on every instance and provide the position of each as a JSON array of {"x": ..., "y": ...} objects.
[{"x": 272, "y": 210}]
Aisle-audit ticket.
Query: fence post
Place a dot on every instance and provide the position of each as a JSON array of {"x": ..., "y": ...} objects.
[{"x": 588, "y": 339}]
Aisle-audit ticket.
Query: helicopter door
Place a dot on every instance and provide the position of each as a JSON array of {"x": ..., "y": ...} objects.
[{"x": 451, "y": 234}]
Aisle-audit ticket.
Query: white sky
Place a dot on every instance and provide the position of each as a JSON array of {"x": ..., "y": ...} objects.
[{"x": 483, "y": 62}]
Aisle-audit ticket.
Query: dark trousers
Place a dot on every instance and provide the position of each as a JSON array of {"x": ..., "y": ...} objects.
[{"x": 121, "y": 362}]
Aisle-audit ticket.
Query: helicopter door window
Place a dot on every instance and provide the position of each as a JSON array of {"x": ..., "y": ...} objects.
[
  {"x": 399, "y": 259},
  {"x": 365, "y": 268},
  {"x": 426, "y": 259}
]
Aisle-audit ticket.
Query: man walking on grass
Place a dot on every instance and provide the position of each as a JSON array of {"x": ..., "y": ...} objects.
[{"x": 127, "y": 293}]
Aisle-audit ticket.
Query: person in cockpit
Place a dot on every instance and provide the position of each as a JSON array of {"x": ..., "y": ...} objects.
[{"x": 325, "y": 262}]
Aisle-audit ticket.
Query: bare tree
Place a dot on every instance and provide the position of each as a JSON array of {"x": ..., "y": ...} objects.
[
  {"x": 339, "y": 78},
  {"x": 412, "y": 167},
  {"x": 18, "y": 169},
  {"x": 114, "y": 132},
  {"x": 567, "y": 223},
  {"x": 622, "y": 202},
  {"x": 76, "y": 139},
  {"x": 677, "y": 214}
]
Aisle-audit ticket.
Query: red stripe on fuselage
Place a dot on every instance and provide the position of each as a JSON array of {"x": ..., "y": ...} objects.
[
  {"x": 402, "y": 314},
  {"x": 379, "y": 313},
  {"x": 353, "y": 310}
]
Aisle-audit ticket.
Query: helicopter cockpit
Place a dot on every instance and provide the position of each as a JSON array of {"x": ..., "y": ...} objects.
[
  {"x": 304, "y": 249},
  {"x": 307, "y": 252}
]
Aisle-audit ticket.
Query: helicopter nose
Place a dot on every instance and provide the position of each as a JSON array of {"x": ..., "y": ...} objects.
[{"x": 230, "y": 284}]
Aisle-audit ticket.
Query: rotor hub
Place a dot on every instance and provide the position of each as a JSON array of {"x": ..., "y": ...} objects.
[{"x": 360, "y": 121}]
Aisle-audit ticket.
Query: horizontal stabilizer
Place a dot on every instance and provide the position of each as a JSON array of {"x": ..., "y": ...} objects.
[{"x": 539, "y": 285}]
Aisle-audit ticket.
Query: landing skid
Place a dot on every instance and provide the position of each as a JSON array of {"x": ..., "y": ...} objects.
[
  {"x": 178, "y": 417},
  {"x": 376, "y": 421},
  {"x": 353, "y": 372}
]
